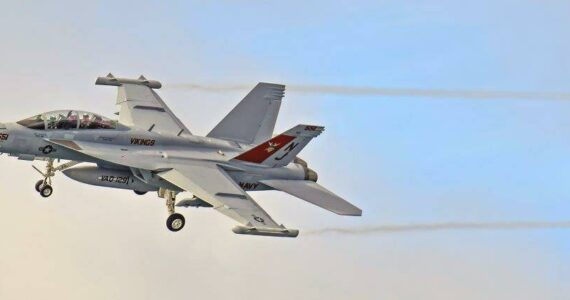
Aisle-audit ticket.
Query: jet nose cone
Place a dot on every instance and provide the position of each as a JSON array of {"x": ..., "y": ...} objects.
[
  {"x": 311, "y": 175},
  {"x": 5, "y": 139}
]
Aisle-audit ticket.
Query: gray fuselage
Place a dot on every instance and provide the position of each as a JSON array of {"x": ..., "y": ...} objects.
[{"x": 30, "y": 144}]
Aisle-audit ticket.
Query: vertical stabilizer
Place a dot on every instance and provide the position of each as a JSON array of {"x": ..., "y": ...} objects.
[
  {"x": 252, "y": 121},
  {"x": 282, "y": 149}
]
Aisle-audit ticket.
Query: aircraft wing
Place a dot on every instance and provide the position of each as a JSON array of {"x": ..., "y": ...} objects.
[
  {"x": 141, "y": 107},
  {"x": 206, "y": 180},
  {"x": 209, "y": 182}
]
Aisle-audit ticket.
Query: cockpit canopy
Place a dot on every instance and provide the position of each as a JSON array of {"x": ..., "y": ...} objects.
[{"x": 68, "y": 119}]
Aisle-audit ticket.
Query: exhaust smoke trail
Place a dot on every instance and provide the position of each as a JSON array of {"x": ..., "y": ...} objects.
[
  {"x": 387, "y": 229},
  {"x": 376, "y": 91}
]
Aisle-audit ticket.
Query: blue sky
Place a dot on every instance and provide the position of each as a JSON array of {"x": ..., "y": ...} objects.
[{"x": 402, "y": 159}]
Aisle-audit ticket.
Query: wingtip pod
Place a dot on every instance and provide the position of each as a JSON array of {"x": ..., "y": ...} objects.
[
  {"x": 278, "y": 232},
  {"x": 112, "y": 80}
]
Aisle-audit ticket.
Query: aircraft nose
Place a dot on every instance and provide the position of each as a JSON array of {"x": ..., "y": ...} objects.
[
  {"x": 4, "y": 132},
  {"x": 6, "y": 137}
]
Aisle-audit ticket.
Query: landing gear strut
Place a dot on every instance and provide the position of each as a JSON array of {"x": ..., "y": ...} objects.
[
  {"x": 175, "y": 221},
  {"x": 44, "y": 186}
]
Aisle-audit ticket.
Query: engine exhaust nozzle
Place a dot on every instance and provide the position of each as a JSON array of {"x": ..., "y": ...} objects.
[{"x": 311, "y": 175}]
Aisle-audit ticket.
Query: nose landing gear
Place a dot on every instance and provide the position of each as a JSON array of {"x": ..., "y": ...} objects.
[
  {"x": 175, "y": 221},
  {"x": 44, "y": 186}
]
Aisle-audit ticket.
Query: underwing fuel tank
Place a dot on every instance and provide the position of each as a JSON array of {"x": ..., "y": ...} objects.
[
  {"x": 284, "y": 232},
  {"x": 121, "y": 179}
]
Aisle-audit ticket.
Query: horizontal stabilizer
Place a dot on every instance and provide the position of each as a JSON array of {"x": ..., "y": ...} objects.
[{"x": 314, "y": 193}]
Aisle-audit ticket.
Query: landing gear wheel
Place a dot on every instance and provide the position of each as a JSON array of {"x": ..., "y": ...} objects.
[
  {"x": 140, "y": 193},
  {"x": 175, "y": 222},
  {"x": 39, "y": 185},
  {"x": 46, "y": 190}
]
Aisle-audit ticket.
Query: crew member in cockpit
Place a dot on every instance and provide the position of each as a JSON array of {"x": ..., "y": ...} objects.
[
  {"x": 51, "y": 122},
  {"x": 71, "y": 121},
  {"x": 96, "y": 122},
  {"x": 85, "y": 121}
]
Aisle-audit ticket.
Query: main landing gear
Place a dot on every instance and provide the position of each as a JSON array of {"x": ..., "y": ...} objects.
[
  {"x": 175, "y": 221},
  {"x": 43, "y": 186}
]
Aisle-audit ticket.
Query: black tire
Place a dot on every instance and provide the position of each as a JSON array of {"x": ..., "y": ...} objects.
[
  {"x": 39, "y": 185},
  {"x": 175, "y": 222},
  {"x": 140, "y": 193},
  {"x": 46, "y": 190}
]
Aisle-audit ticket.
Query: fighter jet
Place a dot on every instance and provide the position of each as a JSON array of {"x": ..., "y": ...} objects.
[{"x": 149, "y": 149}]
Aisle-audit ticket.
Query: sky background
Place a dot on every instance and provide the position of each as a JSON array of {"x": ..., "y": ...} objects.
[{"x": 403, "y": 160}]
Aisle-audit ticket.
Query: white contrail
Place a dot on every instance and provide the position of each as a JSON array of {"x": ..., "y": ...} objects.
[
  {"x": 377, "y": 91},
  {"x": 386, "y": 229}
]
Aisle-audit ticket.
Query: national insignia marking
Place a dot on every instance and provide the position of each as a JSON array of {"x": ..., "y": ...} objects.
[{"x": 258, "y": 219}]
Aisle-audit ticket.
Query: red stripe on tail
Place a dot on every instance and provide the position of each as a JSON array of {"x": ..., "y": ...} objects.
[{"x": 263, "y": 151}]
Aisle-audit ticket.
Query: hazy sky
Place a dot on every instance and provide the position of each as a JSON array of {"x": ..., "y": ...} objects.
[{"x": 403, "y": 160}]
